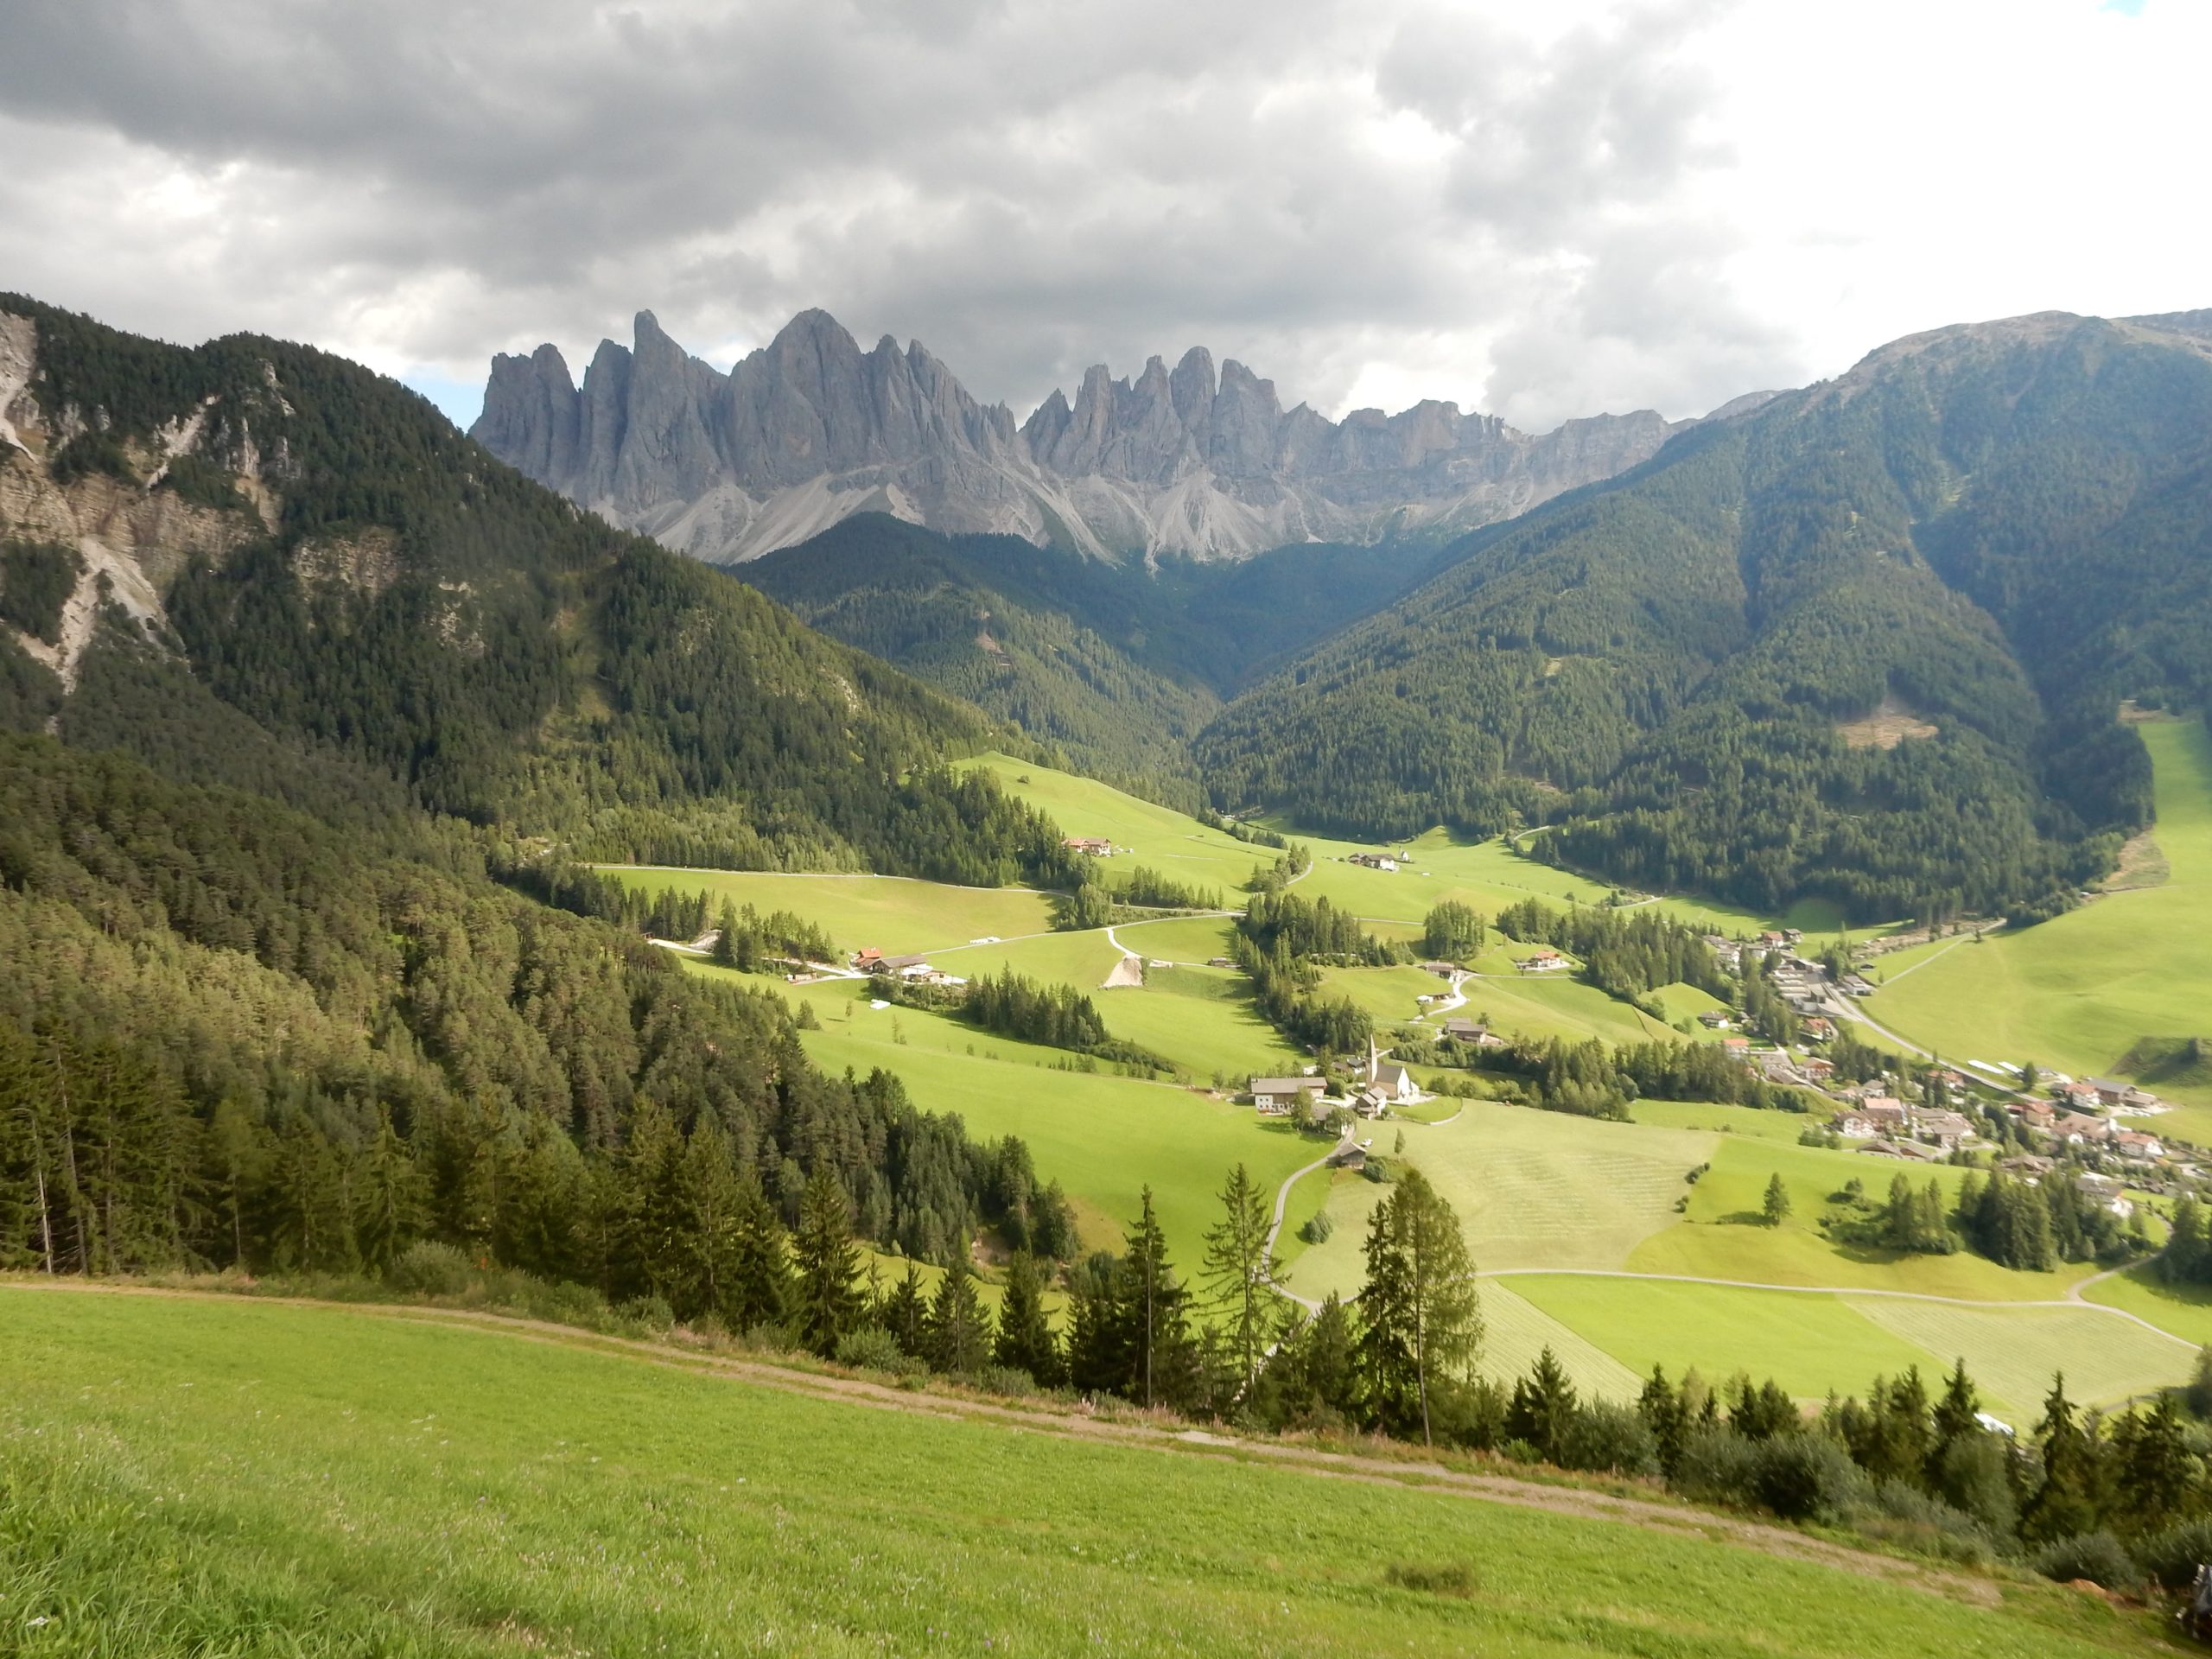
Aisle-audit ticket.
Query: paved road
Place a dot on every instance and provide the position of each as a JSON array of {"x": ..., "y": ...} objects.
[{"x": 1274, "y": 1231}]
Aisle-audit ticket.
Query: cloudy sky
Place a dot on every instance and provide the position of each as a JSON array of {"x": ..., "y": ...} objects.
[{"x": 1541, "y": 210}]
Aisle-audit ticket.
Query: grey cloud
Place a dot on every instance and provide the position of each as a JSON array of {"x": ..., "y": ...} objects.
[{"x": 1026, "y": 188}]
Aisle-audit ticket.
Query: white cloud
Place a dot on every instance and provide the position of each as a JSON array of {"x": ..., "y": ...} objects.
[{"x": 1542, "y": 211}]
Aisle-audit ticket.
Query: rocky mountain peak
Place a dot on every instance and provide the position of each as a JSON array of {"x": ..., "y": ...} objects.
[{"x": 809, "y": 429}]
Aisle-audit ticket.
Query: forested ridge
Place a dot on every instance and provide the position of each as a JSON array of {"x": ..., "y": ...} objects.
[
  {"x": 1115, "y": 668},
  {"x": 298, "y": 967},
  {"x": 1989, "y": 536},
  {"x": 424, "y": 610}
]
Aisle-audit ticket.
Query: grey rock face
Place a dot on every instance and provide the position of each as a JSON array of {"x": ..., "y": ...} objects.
[{"x": 811, "y": 430}]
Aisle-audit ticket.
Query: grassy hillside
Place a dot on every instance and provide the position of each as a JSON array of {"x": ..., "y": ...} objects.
[
  {"x": 2079, "y": 992},
  {"x": 315, "y": 1481}
]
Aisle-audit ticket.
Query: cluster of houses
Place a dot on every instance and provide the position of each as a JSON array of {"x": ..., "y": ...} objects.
[
  {"x": 1383, "y": 1084},
  {"x": 1089, "y": 846}
]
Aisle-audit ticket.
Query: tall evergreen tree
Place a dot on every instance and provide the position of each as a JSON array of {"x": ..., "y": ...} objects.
[
  {"x": 1420, "y": 1309},
  {"x": 393, "y": 1207},
  {"x": 905, "y": 1311},
  {"x": 1025, "y": 1340},
  {"x": 958, "y": 1334},
  {"x": 828, "y": 1302},
  {"x": 1239, "y": 1275}
]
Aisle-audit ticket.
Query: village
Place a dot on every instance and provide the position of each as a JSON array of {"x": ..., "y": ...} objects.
[{"x": 2033, "y": 1124}]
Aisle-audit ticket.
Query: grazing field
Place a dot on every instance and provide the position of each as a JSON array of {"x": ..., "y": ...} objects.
[
  {"x": 1723, "y": 1234},
  {"x": 1516, "y": 1332},
  {"x": 1201, "y": 1019},
  {"x": 2080, "y": 991},
  {"x": 1719, "y": 1120},
  {"x": 1105, "y": 1138},
  {"x": 1809, "y": 1343},
  {"x": 193, "y": 1478},
  {"x": 2184, "y": 1310},
  {"x": 892, "y": 912},
  {"x": 1559, "y": 1008},
  {"x": 2013, "y": 1352},
  {"x": 1532, "y": 1189},
  {"x": 1815, "y": 1342},
  {"x": 1185, "y": 940},
  {"x": 1488, "y": 874}
]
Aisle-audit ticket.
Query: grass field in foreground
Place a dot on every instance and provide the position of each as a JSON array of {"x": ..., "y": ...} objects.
[
  {"x": 200, "y": 1477},
  {"x": 2079, "y": 991}
]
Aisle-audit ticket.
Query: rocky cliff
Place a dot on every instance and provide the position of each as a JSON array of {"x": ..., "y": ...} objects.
[{"x": 813, "y": 429}]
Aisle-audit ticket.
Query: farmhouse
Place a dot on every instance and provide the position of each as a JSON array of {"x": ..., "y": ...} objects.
[
  {"x": 1714, "y": 1020},
  {"x": 1219, "y": 962},
  {"x": 1441, "y": 969},
  {"x": 2110, "y": 1090},
  {"x": 1853, "y": 1124},
  {"x": 1089, "y": 845},
  {"x": 1543, "y": 960},
  {"x": 2139, "y": 1148},
  {"x": 1384, "y": 861},
  {"x": 1946, "y": 1129},
  {"x": 866, "y": 958},
  {"x": 1276, "y": 1096},
  {"x": 1911, "y": 1151},
  {"x": 1817, "y": 1070},
  {"x": 1474, "y": 1032}
]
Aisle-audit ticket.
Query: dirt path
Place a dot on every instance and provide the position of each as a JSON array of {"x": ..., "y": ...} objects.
[{"x": 1410, "y": 1472}]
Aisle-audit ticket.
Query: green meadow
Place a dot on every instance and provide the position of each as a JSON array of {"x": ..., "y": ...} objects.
[
  {"x": 1488, "y": 874},
  {"x": 201, "y": 1478},
  {"x": 895, "y": 914},
  {"x": 1103, "y": 1137},
  {"x": 2081, "y": 991}
]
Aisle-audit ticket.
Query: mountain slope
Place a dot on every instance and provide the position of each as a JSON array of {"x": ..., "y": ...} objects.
[
  {"x": 1863, "y": 641},
  {"x": 1118, "y": 666},
  {"x": 810, "y": 430},
  {"x": 337, "y": 567}
]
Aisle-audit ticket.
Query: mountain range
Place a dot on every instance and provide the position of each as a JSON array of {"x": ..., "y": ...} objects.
[{"x": 811, "y": 430}]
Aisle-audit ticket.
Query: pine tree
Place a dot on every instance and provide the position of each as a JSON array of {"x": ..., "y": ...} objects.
[
  {"x": 1666, "y": 1413},
  {"x": 2067, "y": 1503},
  {"x": 905, "y": 1312},
  {"x": 1025, "y": 1340},
  {"x": 705, "y": 1243},
  {"x": 1150, "y": 1308},
  {"x": 1776, "y": 1206},
  {"x": 1421, "y": 1308},
  {"x": 958, "y": 1335},
  {"x": 759, "y": 1290},
  {"x": 2155, "y": 1471},
  {"x": 1239, "y": 1274},
  {"x": 1543, "y": 1406},
  {"x": 393, "y": 1207},
  {"x": 828, "y": 1302}
]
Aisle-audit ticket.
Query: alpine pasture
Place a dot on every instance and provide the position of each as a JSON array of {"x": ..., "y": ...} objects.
[{"x": 191, "y": 1476}]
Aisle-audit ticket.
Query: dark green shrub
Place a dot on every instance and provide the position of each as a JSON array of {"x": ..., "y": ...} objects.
[
  {"x": 2171, "y": 1557},
  {"x": 424, "y": 1269},
  {"x": 2096, "y": 1556},
  {"x": 1609, "y": 1438},
  {"x": 872, "y": 1348},
  {"x": 1317, "y": 1228}
]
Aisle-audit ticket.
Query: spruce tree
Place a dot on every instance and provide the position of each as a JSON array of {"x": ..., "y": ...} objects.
[
  {"x": 958, "y": 1335},
  {"x": 828, "y": 1303},
  {"x": 2067, "y": 1503},
  {"x": 1544, "y": 1406},
  {"x": 391, "y": 1209},
  {"x": 1239, "y": 1275},
  {"x": 1775, "y": 1208},
  {"x": 905, "y": 1312},
  {"x": 1150, "y": 1310},
  {"x": 1666, "y": 1413},
  {"x": 1025, "y": 1340}
]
